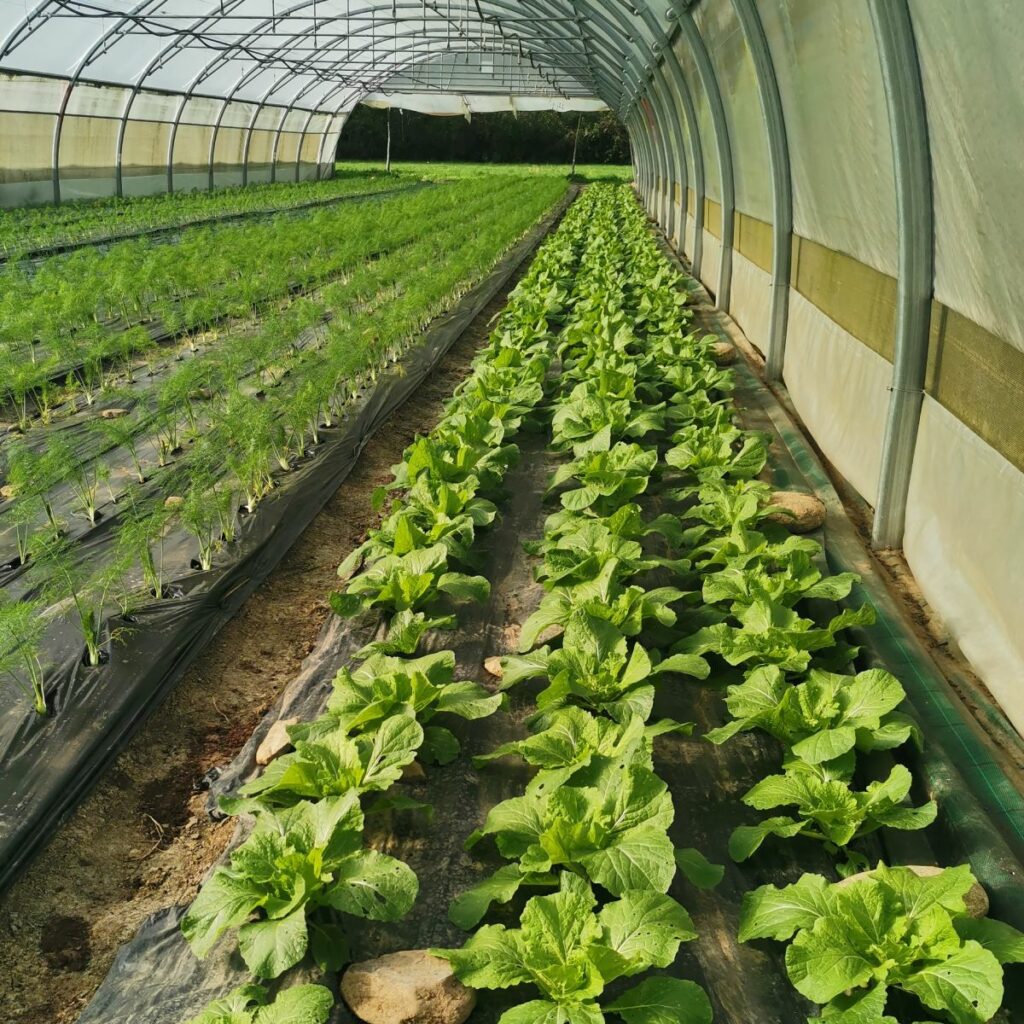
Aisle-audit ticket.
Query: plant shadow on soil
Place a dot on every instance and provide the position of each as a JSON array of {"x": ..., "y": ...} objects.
[{"x": 142, "y": 841}]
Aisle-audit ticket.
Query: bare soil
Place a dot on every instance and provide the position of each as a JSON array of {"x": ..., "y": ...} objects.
[{"x": 141, "y": 841}]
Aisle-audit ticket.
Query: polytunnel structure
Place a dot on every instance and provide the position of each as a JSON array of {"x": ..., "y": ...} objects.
[
  {"x": 727, "y": 464},
  {"x": 834, "y": 173}
]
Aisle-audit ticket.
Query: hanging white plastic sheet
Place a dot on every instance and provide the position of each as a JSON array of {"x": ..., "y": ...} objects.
[
  {"x": 734, "y": 70},
  {"x": 837, "y": 125},
  {"x": 972, "y": 56}
]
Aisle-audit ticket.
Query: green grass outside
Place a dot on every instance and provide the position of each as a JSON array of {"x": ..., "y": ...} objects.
[{"x": 433, "y": 171}]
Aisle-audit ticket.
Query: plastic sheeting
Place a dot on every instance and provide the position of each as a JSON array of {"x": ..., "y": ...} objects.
[
  {"x": 834, "y": 105},
  {"x": 965, "y": 502},
  {"x": 735, "y": 73},
  {"x": 976, "y": 125},
  {"x": 840, "y": 388},
  {"x": 465, "y": 104}
]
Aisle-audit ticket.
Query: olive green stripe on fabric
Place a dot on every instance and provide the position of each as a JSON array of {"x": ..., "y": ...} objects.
[
  {"x": 712, "y": 217},
  {"x": 979, "y": 378},
  {"x": 859, "y": 298},
  {"x": 690, "y": 202},
  {"x": 752, "y": 238}
]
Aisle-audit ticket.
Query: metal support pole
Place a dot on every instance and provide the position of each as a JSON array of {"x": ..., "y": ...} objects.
[
  {"x": 663, "y": 197},
  {"x": 685, "y": 97},
  {"x": 782, "y": 184},
  {"x": 911, "y": 155},
  {"x": 575, "y": 146},
  {"x": 709, "y": 80},
  {"x": 387, "y": 162}
]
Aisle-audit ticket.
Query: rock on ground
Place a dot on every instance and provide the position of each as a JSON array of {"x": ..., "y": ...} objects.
[
  {"x": 724, "y": 353},
  {"x": 276, "y": 742},
  {"x": 798, "y": 512},
  {"x": 411, "y": 987}
]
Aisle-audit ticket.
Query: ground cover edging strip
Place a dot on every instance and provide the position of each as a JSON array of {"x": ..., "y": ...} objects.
[{"x": 269, "y": 542}]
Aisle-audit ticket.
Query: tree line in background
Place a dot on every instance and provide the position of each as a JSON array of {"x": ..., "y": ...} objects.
[{"x": 537, "y": 137}]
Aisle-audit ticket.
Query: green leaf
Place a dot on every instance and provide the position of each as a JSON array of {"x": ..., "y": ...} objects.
[
  {"x": 646, "y": 928},
  {"x": 698, "y": 869},
  {"x": 826, "y": 960},
  {"x": 440, "y": 745},
  {"x": 469, "y": 907},
  {"x": 328, "y": 943},
  {"x": 225, "y": 901},
  {"x": 468, "y": 700},
  {"x": 826, "y": 745},
  {"x": 236, "y": 1007},
  {"x": 686, "y": 665},
  {"x": 968, "y": 986},
  {"x": 463, "y": 587},
  {"x": 1002, "y": 940},
  {"x": 492, "y": 957},
  {"x": 543, "y": 1011},
  {"x": 373, "y": 885},
  {"x": 641, "y": 858},
  {"x": 663, "y": 1001},
  {"x": 269, "y": 948},
  {"x": 747, "y": 839},
  {"x": 861, "y": 1007},
  {"x": 345, "y": 605},
  {"x": 772, "y": 913},
  {"x": 301, "y": 1004}
]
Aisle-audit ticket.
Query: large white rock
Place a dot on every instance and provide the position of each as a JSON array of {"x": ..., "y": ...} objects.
[
  {"x": 798, "y": 512},
  {"x": 411, "y": 987},
  {"x": 276, "y": 742}
]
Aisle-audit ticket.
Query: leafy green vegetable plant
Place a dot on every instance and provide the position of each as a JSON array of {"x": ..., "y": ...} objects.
[
  {"x": 613, "y": 830},
  {"x": 829, "y": 809},
  {"x": 297, "y": 865},
  {"x": 855, "y": 942},
  {"x": 570, "y": 953},
  {"x": 249, "y": 1004}
]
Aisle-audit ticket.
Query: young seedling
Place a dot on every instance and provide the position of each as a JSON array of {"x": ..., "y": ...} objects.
[{"x": 21, "y": 633}]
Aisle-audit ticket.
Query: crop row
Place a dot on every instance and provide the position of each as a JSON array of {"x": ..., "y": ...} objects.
[
  {"x": 33, "y": 228},
  {"x": 80, "y": 321},
  {"x": 222, "y": 432},
  {"x": 382, "y": 714}
]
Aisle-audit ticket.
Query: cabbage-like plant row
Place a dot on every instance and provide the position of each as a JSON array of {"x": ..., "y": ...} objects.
[
  {"x": 307, "y": 804},
  {"x": 218, "y": 434}
]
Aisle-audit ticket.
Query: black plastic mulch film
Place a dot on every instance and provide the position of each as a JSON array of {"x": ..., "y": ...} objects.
[
  {"x": 48, "y": 764},
  {"x": 157, "y": 980}
]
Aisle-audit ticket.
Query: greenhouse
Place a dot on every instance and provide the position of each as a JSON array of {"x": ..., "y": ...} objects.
[{"x": 509, "y": 510}]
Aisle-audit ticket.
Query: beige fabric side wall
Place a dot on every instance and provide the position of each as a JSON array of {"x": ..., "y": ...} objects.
[
  {"x": 964, "y": 514},
  {"x": 711, "y": 262},
  {"x": 751, "y": 300},
  {"x": 841, "y": 390}
]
